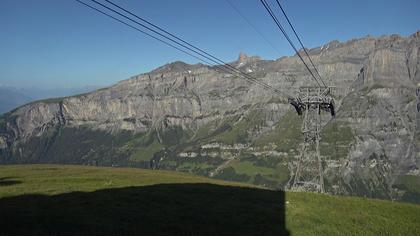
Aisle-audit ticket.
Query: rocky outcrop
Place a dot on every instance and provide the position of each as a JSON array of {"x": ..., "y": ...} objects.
[{"x": 199, "y": 119}]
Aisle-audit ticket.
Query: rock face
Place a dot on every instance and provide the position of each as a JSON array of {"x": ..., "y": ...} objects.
[{"x": 198, "y": 119}]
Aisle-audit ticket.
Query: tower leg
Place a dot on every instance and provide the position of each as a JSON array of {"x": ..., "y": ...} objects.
[
  {"x": 318, "y": 154},
  {"x": 309, "y": 174}
]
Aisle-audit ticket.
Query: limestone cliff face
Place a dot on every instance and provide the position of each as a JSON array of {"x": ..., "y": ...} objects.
[
  {"x": 199, "y": 119},
  {"x": 381, "y": 109}
]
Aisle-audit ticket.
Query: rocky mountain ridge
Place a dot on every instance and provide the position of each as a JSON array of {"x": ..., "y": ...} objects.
[{"x": 198, "y": 119}]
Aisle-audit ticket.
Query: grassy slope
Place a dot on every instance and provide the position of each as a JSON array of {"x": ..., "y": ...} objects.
[
  {"x": 336, "y": 138},
  {"x": 411, "y": 185},
  {"x": 56, "y": 179},
  {"x": 264, "y": 170},
  {"x": 124, "y": 149},
  {"x": 50, "y": 199},
  {"x": 286, "y": 134}
]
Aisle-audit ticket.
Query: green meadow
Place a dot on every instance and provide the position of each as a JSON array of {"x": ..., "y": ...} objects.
[{"x": 80, "y": 200}]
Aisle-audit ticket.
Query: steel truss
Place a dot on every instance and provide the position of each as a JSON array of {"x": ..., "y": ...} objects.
[{"x": 308, "y": 174}]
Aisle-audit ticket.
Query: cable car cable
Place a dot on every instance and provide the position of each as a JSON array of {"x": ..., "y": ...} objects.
[
  {"x": 300, "y": 41},
  {"x": 271, "y": 13}
]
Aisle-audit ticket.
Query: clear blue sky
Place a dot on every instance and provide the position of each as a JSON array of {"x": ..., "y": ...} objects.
[{"x": 60, "y": 43}]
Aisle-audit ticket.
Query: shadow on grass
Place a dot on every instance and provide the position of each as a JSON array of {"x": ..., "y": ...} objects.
[
  {"x": 165, "y": 209},
  {"x": 7, "y": 181}
]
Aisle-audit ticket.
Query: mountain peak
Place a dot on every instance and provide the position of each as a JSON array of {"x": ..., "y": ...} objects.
[
  {"x": 242, "y": 57},
  {"x": 176, "y": 66},
  {"x": 416, "y": 34}
]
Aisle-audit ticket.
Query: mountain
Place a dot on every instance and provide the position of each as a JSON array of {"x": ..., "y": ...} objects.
[
  {"x": 198, "y": 119},
  {"x": 11, "y": 97}
]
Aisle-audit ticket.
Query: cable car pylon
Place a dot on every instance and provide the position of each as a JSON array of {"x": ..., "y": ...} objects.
[{"x": 308, "y": 171}]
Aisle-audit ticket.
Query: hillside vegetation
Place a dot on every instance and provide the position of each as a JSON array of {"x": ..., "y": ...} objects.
[{"x": 76, "y": 200}]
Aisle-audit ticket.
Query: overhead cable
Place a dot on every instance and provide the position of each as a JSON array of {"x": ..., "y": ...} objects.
[
  {"x": 186, "y": 47},
  {"x": 273, "y": 16},
  {"x": 300, "y": 41},
  {"x": 183, "y": 43},
  {"x": 252, "y": 26}
]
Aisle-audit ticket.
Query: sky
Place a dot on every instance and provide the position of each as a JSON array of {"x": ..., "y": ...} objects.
[{"x": 63, "y": 44}]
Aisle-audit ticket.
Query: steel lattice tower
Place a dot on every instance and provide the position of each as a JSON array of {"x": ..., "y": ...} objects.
[{"x": 308, "y": 174}]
